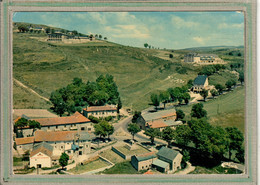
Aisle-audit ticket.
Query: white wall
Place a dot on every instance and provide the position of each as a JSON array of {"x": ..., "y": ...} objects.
[{"x": 40, "y": 158}]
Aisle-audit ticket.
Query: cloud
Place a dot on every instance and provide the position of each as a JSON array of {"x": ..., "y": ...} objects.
[
  {"x": 229, "y": 26},
  {"x": 199, "y": 40},
  {"x": 181, "y": 23}
]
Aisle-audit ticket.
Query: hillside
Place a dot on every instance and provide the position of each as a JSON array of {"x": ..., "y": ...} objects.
[{"x": 46, "y": 66}]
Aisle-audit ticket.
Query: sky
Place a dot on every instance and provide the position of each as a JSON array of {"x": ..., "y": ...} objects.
[{"x": 171, "y": 30}]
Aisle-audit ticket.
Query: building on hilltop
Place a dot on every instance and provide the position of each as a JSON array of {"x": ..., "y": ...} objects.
[
  {"x": 100, "y": 111},
  {"x": 201, "y": 82},
  {"x": 202, "y": 58},
  {"x": 159, "y": 119}
]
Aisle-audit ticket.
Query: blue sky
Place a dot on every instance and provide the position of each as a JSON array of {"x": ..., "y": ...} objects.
[{"x": 171, "y": 30}]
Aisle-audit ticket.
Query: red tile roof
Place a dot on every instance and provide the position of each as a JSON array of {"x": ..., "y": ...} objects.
[
  {"x": 24, "y": 140},
  {"x": 40, "y": 136},
  {"x": 148, "y": 173},
  {"x": 74, "y": 119},
  {"x": 100, "y": 108},
  {"x": 157, "y": 124}
]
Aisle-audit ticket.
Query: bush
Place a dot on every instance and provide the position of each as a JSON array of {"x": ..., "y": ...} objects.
[
  {"x": 181, "y": 70},
  {"x": 170, "y": 56},
  {"x": 94, "y": 119},
  {"x": 109, "y": 118}
]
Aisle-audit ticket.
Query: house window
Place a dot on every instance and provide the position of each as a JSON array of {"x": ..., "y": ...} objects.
[
  {"x": 56, "y": 127},
  {"x": 61, "y": 147},
  {"x": 82, "y": 128},
  {"x": 89, "y": 129},
  {"x": 65, "y": 126},
  {"x": 20, "y": 146},
  {"x": 49, "y": 128},
  {"x": 80, "y": 152}
]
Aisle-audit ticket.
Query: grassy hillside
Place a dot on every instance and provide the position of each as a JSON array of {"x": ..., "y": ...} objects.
[
  {"x": 226, "y": 110},
  {"x": 46, "y": 66}
]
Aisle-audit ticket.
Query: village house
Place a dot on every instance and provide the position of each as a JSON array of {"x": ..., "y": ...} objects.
[
  {"x": 170, "y": 156},
  {"x": 202, "y": 58},
  {"x": 41, "y": 156},
  {"x": 24, "y": 144},
  {"x": 70, "y": 142},
  {"x": 76, "y": 122},
  {"x": 159, "y": 119},
  {"x": 143, "y": 161},
  {"x": 201, "y": 82},
  {"x": 100, "y": 111}
]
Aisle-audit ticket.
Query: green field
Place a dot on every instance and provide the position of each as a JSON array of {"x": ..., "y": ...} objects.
[
  {"x": 225, "y": 110},
  {"x": 93, "y": 165},
  {"x": 122, "y": 168},
  {"x": 111, "y": 156}
]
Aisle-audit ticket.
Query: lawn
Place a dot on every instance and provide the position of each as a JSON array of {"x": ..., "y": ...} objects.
[
  {"x": 215, "y": 170},
  {"x": 122, "y": 168},
  {"x": 90, "y": 166},
  {"x": 225, "y": 110},
  {"x": 139, "y": 150},
  {"x": 111, "y": 156}
]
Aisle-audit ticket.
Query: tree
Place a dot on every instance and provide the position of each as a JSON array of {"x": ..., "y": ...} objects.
[
  {"x": 241, "y": 77},
  {"x": 119, "y": 105},
  {"x": 105, "y": 38},
  {"x": 103, "y": 129},
  {"x": 22, "y": 28},
  {"x": 185, "y": 158},
  {"x": 75, "y": 32},
  {"x": 204, "y": 93},
  {"x": 170, "y": 55},
  {"x": 34, "y": 124},
  {"x": 155, "y": 100},
  {"x": 164, "y": 97},
  {"x": 22, "y": 122},
  {"x": 47, "y": 30},
  {"x": 100, "y": 36},
  {"x": 133, "y": 128},
  {"x": 198, "y": 111},
  {"x": 230, "y": 83},
  {"x": 236, "y": 139},
  {"x": 220, "y": 88},
  {"x": 58, "y": 103},
  {"x": 64, "y": 158},
  {"x": 190, "y": 83},
  {"x": 168, "y": 135},
  {"x": 99, "y": 131},
  {"x": 180, "y": 114},
  {"x": 186, "y": 97},
  {"x": 136, "y": 115},
  {"x": 146, "y": 45},
  {"x": 240, "y": 155},
  {"x": 183, "y": 135},
  {"x": 52, "y": 31},
  {"x": 214, "y": 92},
  {"x": 152, "y": 133}
]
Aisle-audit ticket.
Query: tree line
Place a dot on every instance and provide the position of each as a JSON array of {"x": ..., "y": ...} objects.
[{"x": 77, "y": 95}]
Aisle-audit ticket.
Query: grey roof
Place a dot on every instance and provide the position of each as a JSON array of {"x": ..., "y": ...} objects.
[
  {"x": 200, "y": 80},
  {"x": 145, "y": 157},
  {"x": 157, "y": 115},
  {"x": 84, "y": 136},
  {"x": 43, "y": 144},
  {"x": 168, "y": 153},
  {"x": 160, "y": 163}
]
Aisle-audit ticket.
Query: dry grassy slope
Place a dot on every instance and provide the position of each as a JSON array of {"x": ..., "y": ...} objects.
[{"x": 46, "y": 67}]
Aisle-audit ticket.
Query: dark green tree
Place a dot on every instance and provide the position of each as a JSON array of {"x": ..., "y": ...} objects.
[
  {"x": 164, "y": 97},
  {"x": 146, "y": 45},
  {"x": 190, "y": 83},
  {"x": 168, "y": 135},
  {"x": 136, "y": 115},
  {"x": 241, "y": 77},
  {"x": 214, "y": 92},
  {"x": 186, "y": 97},
  {"x": 170, "y": 55},
  {"x": 64, "y": 158},
  {"x": 236, "y": 139},
  {"x": 133, "y": 128},
  {"x": 34, "y": 125},
  {"x": 230, "y": 83},
  {"x": 220, "y": 88},
  {"x": 198, "y": 111},
  {"x": 47, "y": 30},
  {"x": 180, "y": 114},
  {"x": 155, "y": 100},
  {"x": 152, "y": 133},
  {"x": 119, "y": 105},
  {"x": 22, "y": 28},
  {"x": 183, "y": 135},
  {"x": 204, "y": 93}
]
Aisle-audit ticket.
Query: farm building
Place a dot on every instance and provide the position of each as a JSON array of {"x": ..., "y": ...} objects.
[
  {"x": 24, "y": 144},
  {"x": 100, "y": 111},
  {"x": 159, "y": 119},
  {"x": 202, "y": 58},
  {"x": 143, "y": 161},
  {"x": 170, "y": 156},
  {"x": 201, "y": 82},
  {"x": 41, "y": 156},
  {"x": 76, "y": 122}
]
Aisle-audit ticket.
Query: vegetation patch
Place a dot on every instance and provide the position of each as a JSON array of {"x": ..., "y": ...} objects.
[
  {"x": 215, "y": 170},
  {"x": 122, "y": 168}
]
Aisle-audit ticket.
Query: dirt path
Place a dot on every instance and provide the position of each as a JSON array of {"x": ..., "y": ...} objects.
[
  {"x": 189, "y": 168},
  {"x": 29, "y": 89}
]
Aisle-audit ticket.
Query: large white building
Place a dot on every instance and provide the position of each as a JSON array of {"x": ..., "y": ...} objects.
[
  {"x": 100, "y": 111},
  {"x": 202, "y": 58}
]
